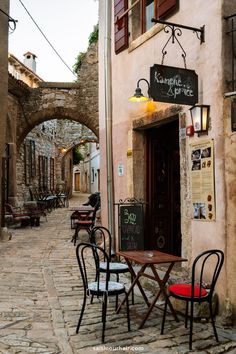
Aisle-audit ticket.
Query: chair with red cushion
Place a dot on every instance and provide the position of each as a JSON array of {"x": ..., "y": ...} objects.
[
  {"x": 86, "y": 223},
  {"x": 205, "y": 270}
]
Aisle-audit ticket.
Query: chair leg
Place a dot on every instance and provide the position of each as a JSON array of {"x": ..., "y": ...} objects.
[
  {"x": 213, "y": 322},
  {"x": 186, "y": 315},
  {"x": 104, "y": 314},
  {"x": 117, "y": 279},
  {"x": 191, "y": 326},
  {"x": 164, "y": 318},
  {"x": 127, "y": 311},
  {"x": 81, "y": 314},
  {"x": 132, "y": 294},
  {"x": 75, "y": 235}
]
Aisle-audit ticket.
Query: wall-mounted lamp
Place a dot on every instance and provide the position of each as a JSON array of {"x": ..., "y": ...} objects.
[
  {"x": 138, "y": 96},
  {"x": 63, "y": 150},
  {"x": 200, "y": 118}
]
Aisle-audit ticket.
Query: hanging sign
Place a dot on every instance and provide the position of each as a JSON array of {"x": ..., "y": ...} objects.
[
  {"x": 203, "y": 181},
  {"x": 173, "y": 85}
]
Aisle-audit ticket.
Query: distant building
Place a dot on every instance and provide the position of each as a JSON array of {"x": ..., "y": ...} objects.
[{"x": 26, "y": 71}]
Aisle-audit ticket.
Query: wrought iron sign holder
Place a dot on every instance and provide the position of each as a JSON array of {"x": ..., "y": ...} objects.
[{"x": 175, "y": 30}]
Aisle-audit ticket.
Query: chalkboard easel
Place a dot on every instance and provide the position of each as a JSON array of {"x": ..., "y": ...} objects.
[{"x": 131, "y": 225}]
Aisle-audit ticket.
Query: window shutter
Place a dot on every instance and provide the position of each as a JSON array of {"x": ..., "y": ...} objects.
[
  {"x": 121, "y": 27},
  {"x": 165, "y": 7}
]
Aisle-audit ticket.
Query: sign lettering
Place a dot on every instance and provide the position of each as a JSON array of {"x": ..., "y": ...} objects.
[
  {"x": 131, "y": 227},
  {"x": 173, "y": 85}
]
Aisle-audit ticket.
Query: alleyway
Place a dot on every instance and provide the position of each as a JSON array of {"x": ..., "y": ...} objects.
[{"x": 40, "y": 300}]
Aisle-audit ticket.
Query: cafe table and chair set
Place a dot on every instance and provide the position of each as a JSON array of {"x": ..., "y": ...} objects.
[{"x": 101, "y": 285}]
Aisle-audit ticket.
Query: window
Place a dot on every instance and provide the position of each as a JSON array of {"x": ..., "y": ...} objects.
[
  {"x": 52, "y": 186},
  {"x": 93, "y": 175},
  {"x": 43, "y": 172},
  {"x": 149, "y": 13},
  {"x": 29, "y": 160},
  {"x": 148, "y": 9},
  {"x": 139, "y": 18}
]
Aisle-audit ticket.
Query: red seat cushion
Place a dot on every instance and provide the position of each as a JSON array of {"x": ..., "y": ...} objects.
[
  {"x": 186, "y": 289},
  {"x": 83, "y": 222}
]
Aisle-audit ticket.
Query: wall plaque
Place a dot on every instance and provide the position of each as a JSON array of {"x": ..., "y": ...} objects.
[
  {"x": 173, "y": 85},
  {"x": 203, "y": 181}
]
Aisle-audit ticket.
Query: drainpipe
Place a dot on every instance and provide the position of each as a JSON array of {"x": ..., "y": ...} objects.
[{"x": 108, "y": 120}]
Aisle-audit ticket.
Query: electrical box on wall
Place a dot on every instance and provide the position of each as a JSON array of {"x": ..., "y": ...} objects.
[{"x": 190, "y": 130}]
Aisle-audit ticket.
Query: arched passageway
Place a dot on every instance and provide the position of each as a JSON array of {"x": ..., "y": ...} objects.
[{"x": 56, "y": 101}]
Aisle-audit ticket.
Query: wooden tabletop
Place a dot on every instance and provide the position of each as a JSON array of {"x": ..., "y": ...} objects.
[{"x": 150, "y": 257}]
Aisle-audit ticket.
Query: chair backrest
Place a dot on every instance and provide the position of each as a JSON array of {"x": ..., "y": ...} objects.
[
  {"x": 96, "y": 207},
  {"x": 88, "y": 261},
  {"x": 9, "y": 209},
  {"x": 206, "y": 267},
  {"x": 101, "y": 236}
]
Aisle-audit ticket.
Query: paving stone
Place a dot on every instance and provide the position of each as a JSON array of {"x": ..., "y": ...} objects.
[{"x": 41, "y": 297}]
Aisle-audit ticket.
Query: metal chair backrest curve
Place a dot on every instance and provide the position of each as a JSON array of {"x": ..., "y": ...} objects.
[
  {"x": 105, "y": 235},
  {"x": 205, "y": 260},
  {"x": 82, "y": 254}
]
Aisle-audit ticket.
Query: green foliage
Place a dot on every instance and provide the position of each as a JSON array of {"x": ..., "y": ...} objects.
[
  {"x": 79, "y": 61},
  {"x": 93, "y": 37},
  {"x": 77, "y": 156}
]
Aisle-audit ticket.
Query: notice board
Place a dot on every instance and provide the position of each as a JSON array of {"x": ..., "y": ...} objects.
[
  {"x": 203, "y": 181},
  {"x": 131, "y": 226}
]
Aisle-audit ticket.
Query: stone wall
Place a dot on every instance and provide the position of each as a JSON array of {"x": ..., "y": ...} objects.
[
  {"x": 54, "y": 100},
  {"x": 4, "y": 5},
  {"x": 50, "y": 137},
  {"x": 57, "y": 117}
]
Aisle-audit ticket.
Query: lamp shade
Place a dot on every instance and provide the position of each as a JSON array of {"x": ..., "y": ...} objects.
[
  {"x": 200, "y": 118},
  {"x": 138, "y": 96}
]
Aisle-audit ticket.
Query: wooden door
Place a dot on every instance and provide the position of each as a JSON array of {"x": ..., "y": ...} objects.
[
  {"x": 77, "y": 182},
  {"x": 163, "y": 189}
]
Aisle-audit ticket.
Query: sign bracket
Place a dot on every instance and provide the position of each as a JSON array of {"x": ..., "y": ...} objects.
[{"x": 175, "y": 30}]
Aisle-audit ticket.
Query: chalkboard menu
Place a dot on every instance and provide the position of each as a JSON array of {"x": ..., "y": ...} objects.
[
  {"x": 131, "y": 227},
  {"x": 173, "y": 85}
]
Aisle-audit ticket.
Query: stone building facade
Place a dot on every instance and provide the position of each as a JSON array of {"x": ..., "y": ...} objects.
[
  {"x": 45, "y": 122},
  {"x": 152, "y": 157},
  {"x": 4, "y": 6}
]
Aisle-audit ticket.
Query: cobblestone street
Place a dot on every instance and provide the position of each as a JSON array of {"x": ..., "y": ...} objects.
[{"x": 40, "y": 303}]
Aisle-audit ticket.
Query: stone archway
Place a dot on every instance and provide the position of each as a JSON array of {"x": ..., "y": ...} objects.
[
  {"x": 76, "y": 101},
  {"x": 60, "y": 101},
  {"x": 29, "y": 107}
]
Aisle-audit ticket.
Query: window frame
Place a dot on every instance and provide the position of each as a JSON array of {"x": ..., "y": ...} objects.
[{"x": 143, "y": 14}]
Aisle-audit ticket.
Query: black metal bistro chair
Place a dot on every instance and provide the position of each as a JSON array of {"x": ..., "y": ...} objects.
[
  {"x": 205, "y": 270},
  {"x": 102, "y": 288},
  {"x": 101, "y": 236}
]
